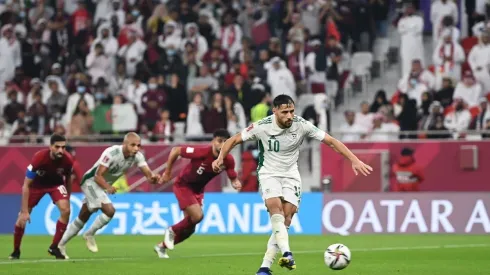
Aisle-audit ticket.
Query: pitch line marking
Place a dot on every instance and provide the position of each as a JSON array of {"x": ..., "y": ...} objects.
[{"x": 395, "y": 248}]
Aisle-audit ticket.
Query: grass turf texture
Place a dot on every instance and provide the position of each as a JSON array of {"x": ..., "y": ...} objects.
[{"x": 241, "y": 254}]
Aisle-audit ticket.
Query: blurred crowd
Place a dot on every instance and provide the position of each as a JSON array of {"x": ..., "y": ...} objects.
[
  {"x": 74, "y": 67},
  {"x": 447, "y": 95}
]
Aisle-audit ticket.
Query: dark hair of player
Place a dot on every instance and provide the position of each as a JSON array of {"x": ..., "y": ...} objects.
[
  {"x": 282, "y": 99},
  {"x": 56, "y": 138},
  {"x": 222, "y": 133}
]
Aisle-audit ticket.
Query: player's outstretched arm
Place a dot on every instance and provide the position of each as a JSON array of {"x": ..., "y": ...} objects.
[
  {"x": 172, "y": 157},
  {"x": 150, "y": 176},
  {"x": 226, "y": 149},
  {"x": 100, "y": 180},
  {"x": 338, "y": 146}
]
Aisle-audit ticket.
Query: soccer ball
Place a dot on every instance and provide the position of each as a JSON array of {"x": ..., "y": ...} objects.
[{"x": 337, "y": 256}]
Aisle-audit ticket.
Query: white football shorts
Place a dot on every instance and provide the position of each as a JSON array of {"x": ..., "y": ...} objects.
[
  {"x": 95, "y": 196},
  {"x": 287, "y": 189}
]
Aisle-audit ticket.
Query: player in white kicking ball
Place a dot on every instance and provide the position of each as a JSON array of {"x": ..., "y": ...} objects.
[{"x": 280, "y": 136}]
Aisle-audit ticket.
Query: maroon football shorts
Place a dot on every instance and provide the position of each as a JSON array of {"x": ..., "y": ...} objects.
[
  {"x": 186, "y": 196},
  {"x": 56, "y": 193}
]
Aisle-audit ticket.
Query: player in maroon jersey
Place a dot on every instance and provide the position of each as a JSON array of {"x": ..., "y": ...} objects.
[
  {"x": 189, "y": 186},
  {"x": 46, "y": 174}
]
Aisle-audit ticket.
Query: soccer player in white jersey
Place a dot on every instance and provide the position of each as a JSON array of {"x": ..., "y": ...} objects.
[
  {"x": 280, "y": 136},
  {"x": 97, "y": 183}
]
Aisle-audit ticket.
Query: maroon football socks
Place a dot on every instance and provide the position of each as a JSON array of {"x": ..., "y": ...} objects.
[
  {"x": 18, "y": 234},
  {"x": 60, "y": 230},
  {"x": 182, "y": 230}
]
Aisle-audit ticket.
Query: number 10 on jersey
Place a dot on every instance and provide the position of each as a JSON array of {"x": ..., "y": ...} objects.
[{"x": 273, "y": 145}]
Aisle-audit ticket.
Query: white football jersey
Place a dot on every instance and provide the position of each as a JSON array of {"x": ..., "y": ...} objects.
[
  {"x": 279, "y": 148},
  {"x": 113, "y": 158}
]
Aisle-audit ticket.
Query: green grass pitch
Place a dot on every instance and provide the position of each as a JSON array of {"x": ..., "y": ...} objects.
[{"x": 240, "y": 254}]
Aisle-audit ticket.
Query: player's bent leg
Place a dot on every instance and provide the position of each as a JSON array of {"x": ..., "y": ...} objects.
[
  {"x": 74, "y": 228},
  {"x": 185, "y": 228},
  {"x": 103, "y": 219},
  {"x": 272, "y": 248},
  {"x": 274, "y": 205},
  {"x": 64, "y": 208},
  {"x": 18, "y": 234},
  {"x": 35, "y": 195}
]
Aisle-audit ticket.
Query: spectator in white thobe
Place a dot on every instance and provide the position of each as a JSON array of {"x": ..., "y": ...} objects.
[{"x": 410, "y": 28}]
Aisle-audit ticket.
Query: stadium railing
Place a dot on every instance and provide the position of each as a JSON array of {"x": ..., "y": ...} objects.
[{"x": 112, "y": 138}]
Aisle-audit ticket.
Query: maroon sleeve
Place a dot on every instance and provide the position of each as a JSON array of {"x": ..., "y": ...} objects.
[
  {"x": 190, "y": 152},
  {"x": 230, "y": 167}
]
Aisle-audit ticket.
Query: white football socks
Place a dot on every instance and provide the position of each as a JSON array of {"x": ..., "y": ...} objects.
[
  {"x": 100, "y": 222},
  {"x": 280, "y": 232},
  {"x": 270, "y": 254},
  {"x": 272, "y": 249},
  {"x": 72, "y": 231}
]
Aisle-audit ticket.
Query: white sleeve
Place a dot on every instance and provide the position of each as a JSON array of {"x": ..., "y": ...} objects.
[
  {"x": 251, "y": 132},
  {"x": 312, "y": 131},
  {"x": 140, "y": 160},
  {"x": 106, "y": 157}
]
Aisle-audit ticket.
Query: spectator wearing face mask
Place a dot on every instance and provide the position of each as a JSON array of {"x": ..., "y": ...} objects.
[
  {"x": 102, "y": 93},
  {"x": 420, "y": 75},
  {"x": 153, "y": 101},
  {"x": 415, "y": 89},
  {"x": 74, "y": 99}
]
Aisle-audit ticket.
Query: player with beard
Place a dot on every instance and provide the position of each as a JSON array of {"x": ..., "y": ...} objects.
[
  {"x": 49, "y": 173},
  {"x": 189, "y": 186},
  {"x": 280, "y": 136}
]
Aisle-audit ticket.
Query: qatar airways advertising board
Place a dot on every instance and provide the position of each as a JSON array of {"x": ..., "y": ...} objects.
[{"x": 406, "y": 213}]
